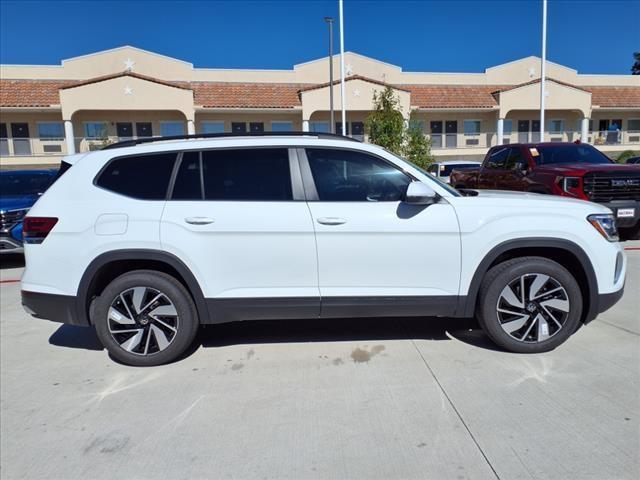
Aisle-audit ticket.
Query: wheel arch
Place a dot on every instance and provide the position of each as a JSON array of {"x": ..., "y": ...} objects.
[
  {"x": 565, "y": 252},
  {"x": 107, "y": 266}
]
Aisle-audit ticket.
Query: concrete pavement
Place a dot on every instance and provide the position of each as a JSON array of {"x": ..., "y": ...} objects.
[{"x": 344, "y": 399}]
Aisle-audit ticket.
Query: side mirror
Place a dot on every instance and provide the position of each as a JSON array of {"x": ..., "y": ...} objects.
[{"x": 419, "y": 193}]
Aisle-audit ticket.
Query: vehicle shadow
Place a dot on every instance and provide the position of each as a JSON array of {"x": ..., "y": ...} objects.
[
  {"x": 11, "y": 260},
  {"x": 305, "y": 331}
]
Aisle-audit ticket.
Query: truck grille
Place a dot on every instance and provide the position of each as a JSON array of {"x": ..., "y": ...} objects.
[
  {"x": 604, "y": 187},
  {"x": 9, "y": 219}
]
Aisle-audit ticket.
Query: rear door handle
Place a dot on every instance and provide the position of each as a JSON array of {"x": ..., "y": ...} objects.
[
  {"x": 331, "y": 220},
  {"x": 199, "y": 220}
]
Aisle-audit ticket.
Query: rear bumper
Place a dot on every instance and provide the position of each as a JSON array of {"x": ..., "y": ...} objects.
[{"x": 48, "y": 306}]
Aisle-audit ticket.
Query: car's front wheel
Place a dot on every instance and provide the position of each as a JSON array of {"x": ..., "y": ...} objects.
[
  {"x": 145, "y": 318},
  {"x": 529, "y": 304}
]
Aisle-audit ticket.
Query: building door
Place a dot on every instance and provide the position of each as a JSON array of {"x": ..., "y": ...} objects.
[
  {"x": 124, "y": 130},
  {"x": 451, "y": 133},
  {"x": 256, "y": 127},
  {"x": 238, "y": 127},
  {"x": 357, "y": 130},
  {"x": 436, "y": 134},
  {"x": 21, "y": 140},
  {"x": 4, "y": 142},
  {"x": 523, "y": 131},
  {"x": 143, "y": 129},
  {"x": 535, "y": 131}
]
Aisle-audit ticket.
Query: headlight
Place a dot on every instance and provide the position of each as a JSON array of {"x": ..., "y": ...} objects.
[{"x": 605, "y": 223}]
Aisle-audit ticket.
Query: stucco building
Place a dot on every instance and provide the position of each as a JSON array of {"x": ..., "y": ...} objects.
[{"x": 88, "y": 101}]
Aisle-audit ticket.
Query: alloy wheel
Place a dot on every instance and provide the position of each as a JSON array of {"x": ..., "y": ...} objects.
[
  {"x": 533, "y": 307},
  {"x": 143, "y": 320}
]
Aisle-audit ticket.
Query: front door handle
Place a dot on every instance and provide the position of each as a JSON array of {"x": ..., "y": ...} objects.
[
  {"x": 331, "y": 220},
  {"x": 199, "y": 220}
]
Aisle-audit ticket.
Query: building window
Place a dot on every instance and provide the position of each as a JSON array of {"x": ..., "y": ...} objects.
[
  {"x": 471, "y": 127},
  {"x": 319, "y": 127},
  {"x": 170, "y": 129},
  {"x": 556, "y": 126},
  {"x": 633, "y": 125},
  {"x": 50, "y": 130},
  {"x": 212, "y": 127},
  {"x": 96, "y": 130},
  {"x": 281, "y": 126}
]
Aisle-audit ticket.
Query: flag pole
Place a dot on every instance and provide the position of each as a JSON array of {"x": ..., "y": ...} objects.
[
  {"x": 343, "y": 100},
  {"x": 543, "y": 68}
]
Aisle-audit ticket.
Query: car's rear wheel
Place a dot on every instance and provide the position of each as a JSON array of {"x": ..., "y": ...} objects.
[
  {"x": 529, "y": 304},
  {"x": 145, "y": 318}
]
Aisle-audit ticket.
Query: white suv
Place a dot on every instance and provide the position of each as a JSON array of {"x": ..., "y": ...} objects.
[{"x": 147, "y": 241}]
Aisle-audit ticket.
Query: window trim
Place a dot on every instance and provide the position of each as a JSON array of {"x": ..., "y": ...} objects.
[{"x": 310, "y": 184}]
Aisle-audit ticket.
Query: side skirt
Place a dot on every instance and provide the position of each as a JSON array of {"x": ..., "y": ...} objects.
[{"x": 223, "y": 310}]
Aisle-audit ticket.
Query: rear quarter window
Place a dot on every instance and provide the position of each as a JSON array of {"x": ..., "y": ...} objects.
[{"x": 145, "y": 177}]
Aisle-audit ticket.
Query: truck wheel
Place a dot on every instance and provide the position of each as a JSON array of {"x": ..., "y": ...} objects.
[
  {"x": 529, "y": 304},
  {"x": 145, "y": 318}
]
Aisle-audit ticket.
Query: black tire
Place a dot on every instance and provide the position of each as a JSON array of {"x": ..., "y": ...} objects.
[
  {"x": 185, "y": 323},
  {"x": 504, "y": 274}
]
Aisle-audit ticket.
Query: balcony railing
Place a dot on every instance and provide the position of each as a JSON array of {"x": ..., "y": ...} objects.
[{"x": 40, "y": 147}]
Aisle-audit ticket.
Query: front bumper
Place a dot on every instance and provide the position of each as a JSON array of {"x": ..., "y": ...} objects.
[
  {"x": 608, "y": 300},
  {"x": 48, "y": 306},
  {"x": 624, "y": 222}
]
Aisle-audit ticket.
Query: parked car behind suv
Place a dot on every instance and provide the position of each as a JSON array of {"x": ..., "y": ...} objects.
[
  {"x": 147, "y": 242},
  {"x": 572, "y": 170},
  {"x": 19, "y": 190},
  {"x": 442, "y": 170}
]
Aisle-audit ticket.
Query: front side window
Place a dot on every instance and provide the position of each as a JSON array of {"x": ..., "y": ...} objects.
[
  {"x": 171, "y": 129},
  {"x": 252, "y": 174},
  {"x": 96, "y": 130},
  {"x": 350, "y": 176},
  {"x": 145, "y": 177},
  {"x": 515, "y": 160},
  {"x": 498, "y": 158},
  {"x": 50, "y": 131}
]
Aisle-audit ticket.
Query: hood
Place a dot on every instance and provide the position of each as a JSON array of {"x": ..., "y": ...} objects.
[
  {"x": 577, "y": 167},
  {"x": 504, "y": 197},
  {"x": 17, "y": 202}
]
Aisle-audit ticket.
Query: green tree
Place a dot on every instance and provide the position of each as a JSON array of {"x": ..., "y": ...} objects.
[
  {"x": 386, "y": 127},
  {"x": 635, "y": 69}
]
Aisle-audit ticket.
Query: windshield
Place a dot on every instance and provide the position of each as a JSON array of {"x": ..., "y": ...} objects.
[
  {"x": 573, "y": 153},
  {"x": 21, "y": 184}
]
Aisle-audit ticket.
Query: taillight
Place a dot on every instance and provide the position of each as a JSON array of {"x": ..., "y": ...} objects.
[{"x": 36, "y": 229}]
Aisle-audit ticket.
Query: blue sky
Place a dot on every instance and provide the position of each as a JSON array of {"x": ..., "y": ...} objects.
[{"x": 590, "y": 36}]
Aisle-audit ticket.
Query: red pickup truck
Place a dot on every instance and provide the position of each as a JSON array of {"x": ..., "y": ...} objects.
[{"x": 574, "y": 170}]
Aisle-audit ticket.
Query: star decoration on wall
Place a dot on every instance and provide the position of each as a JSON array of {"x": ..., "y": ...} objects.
[
  {"x": 128, "y": 90},
  {"x": 546, "y": 93},
  {"x": 356, "y": 93},
  {"x": 349, "y": 69},
  {"x": 128, "y": 64},
  {"x": 532, "y": 72}
]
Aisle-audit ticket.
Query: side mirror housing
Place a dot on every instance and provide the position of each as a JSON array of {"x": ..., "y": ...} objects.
[{"x": 419, "y": 193}]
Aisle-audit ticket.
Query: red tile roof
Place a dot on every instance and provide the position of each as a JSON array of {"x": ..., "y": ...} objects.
[
  {"x": 246, "y": 95},
  {"x": 355, "y": 77},
  {"x": 31, "y": 93},
  {"x": 615, "y": 96},
  {"x": 44, "y": 93},
  {"x": 452, "y": 96}
]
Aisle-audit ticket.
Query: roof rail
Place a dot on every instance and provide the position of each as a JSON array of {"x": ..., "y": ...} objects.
[{"x": 138, "y": 141}]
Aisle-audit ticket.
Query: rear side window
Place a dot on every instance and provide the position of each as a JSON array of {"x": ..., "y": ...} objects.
[
  {"x": 145, "y": 177},
  {"x": 260, "y": 174}
]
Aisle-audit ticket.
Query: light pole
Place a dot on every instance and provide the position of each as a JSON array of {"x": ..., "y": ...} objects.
[
  {"x": 543, "y": 68},
  {"x": 343, "y": 99},
  {"x": 332, "y": 125}
]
